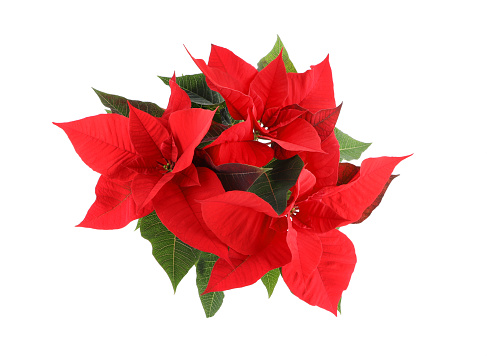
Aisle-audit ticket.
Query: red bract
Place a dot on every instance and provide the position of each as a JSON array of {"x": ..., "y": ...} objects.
[
  {"x": 103, "y": 143},
  {"x": 237, "y": 145},
  {"x": 114, "y": 206}
]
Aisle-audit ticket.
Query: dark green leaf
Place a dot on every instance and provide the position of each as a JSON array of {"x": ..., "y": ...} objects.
[
  {"x": 197, "y": 89},
  {"x": 211, "y": 301},
  {"x": 272, "y": 185},
  {"x": 233, "y": 176},
  {"x": 236, "y": 176},
  {"x": 214, "y": 132},
  {"x": 118, "y": 104},
  {"x": 350, "y": 148},
  {"x": 340, "y": 306},
  {"x": 270, "y": 280},
  {"x": 226, "y": 119},
  {"x": 273, "y": 55},
  {"x": 173, "y": 255}
]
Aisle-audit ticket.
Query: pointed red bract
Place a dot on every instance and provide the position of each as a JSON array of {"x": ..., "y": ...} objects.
[
  {"x": 312, "y": 90},
  {"x": 298, "y": 136},
  {"x": 376, "y": 202},
  {"x": 188, "y": 128},
  {"x": 350, "y": 200},
  {"x": 179, "y": 209},
  {"x": 246, "y": 270},
  {"x": 325, "y": 285},
  {"x": 234, "y": 71},
  {"x": 148, "y": 135},
  {"x": 281, "y": 117},
  {"x": 237, "y": 133},
  {"x": 323, "y": 121},
  {"x": 269, "y": 87},
  {"x": 324, "y": 166},
  {"x": 178, "y": 100},
  {"x": 306, "y": 251},
  {"x": 241, "y": 220},
  {"x": 346, "y": 173},
  {"x": 114, "y": 206},
  {"x": 252, "y": 153},
  {"x": 236, "y": 145},
  {"x": 230, "y": 76},
  {"x": 188, "y": 177},
  {"x": 304, "y": 185},
  {"x": 146, "y": 186},
  {"x": 103, "y": 143}
]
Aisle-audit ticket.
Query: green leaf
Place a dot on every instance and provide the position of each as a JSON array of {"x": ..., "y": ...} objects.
[
  {"x": 214, "y": 132},
  {"x": 350, "y": 148},
  {"x": 272, "y": 185},
  {"x": 233, "y": 176},
  {"x": 226, "y": 118},
  {"x": 273, "y": 55},
  {"x": 197, "y": 89},
  {"x": 340, "y": 306},
  {"x": 236, "y": 176},
  {"x": 211, "y": 301},
  {"x": 270, "y": 280},
  {"x": 118, "y": 104},
  {"x": 173, "y": 255}
]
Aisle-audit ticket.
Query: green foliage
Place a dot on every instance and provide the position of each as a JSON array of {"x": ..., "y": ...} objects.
[
  {"x": 236, "y": 176},
  {"x": 340, "y": 306},
  {"x": 270, "y": 280},
  {"x": 211, "y": 301},
  {"x": 350, "y": 148},
  {"x": 118, "y": 104},
  {"x": 273, "y": 55},
  {"x": 273, "y": 185},
  {"x": 213, "y": 133},
  {"x": 173, "y": 255},
  {"x": 226, "y": 118},
  {"x": 197, "y": 89}
]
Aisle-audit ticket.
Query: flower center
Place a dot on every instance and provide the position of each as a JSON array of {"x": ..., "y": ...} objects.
[
  {"x": 262, "y": 125},
  {"x": 294, "y": 211},
  {"x": 168, "y": 166}
]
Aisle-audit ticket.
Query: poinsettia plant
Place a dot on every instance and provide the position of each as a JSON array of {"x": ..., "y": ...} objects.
[{"x": 241, "y": 176}]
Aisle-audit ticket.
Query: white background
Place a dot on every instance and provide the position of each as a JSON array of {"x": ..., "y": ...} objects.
[{"x": 412, "y": 78}]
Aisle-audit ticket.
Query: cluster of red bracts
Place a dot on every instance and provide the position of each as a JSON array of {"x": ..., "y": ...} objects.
[{"x": 152, "y": 163}]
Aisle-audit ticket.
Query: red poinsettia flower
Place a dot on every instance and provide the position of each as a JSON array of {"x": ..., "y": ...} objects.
[
  {"x": 103, "y": 143},
  {"x": 146, "y": 164},
  {"x": 279, "y": 104},
  {"x": 138, "y": 155},
  {"x": 317, "y": 261}
]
